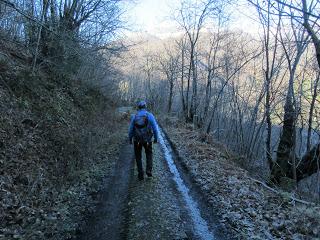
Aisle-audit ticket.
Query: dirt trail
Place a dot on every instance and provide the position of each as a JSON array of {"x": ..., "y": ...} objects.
[
  {"x": 155, "y": 209},
  {"x": 161, "y": 207},
  {"x": 109, "y": 220}
]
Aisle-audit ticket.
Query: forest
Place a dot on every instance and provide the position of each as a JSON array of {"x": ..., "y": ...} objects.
[
  {"x": 67, "y": 67},
  {"x": 257, "y": 94}
]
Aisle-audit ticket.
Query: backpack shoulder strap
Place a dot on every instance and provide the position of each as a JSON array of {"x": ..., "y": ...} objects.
[{"x": 147, "y": 118}]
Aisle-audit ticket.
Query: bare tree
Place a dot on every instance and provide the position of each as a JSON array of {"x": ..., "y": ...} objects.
[
  {"x": 170, "y": 67},
  {"x": 192, "y": 18},
  {"x": 303, "y": 16},
  {"x": 57, "y": 31},
  {"x": 211, "y": 66},
  {"x": 294, "y": 44},
  {"x": 270, "y": 43},
  {"x": 181, "y": 46},
  {"x": 231, "y": 71},
  {"x": 311, "y": 111}
]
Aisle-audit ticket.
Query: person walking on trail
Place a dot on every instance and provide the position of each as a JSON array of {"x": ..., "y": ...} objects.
[{"x": 143, "y": 127}]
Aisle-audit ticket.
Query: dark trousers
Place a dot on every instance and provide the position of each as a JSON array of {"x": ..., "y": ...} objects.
[{"x": 138, "y": 153}]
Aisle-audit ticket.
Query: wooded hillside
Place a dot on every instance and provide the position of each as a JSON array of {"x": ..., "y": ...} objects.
[
  {"x": 259, "y": 94},
  {"x": 57, "y": 113}
]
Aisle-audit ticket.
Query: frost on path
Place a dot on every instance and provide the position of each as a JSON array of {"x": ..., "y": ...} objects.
[{"x": 200, "y": 225}]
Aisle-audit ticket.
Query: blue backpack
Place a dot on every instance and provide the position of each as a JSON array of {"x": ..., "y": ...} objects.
[{"x": 142, "y": 130}]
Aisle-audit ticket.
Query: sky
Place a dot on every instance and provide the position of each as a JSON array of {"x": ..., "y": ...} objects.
[
  {"x": 152, "y": 16},
  {"x": 155, "y": 17}
]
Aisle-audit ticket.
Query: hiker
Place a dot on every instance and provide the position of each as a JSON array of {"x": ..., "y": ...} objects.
[{"x": 142, "y": 128}]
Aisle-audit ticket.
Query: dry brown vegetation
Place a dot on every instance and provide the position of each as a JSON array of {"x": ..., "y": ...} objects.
[
  {"x": 58, "y": 133},
  {"x": 58, "y": 140},
  {"x": 249, "y": 208}
]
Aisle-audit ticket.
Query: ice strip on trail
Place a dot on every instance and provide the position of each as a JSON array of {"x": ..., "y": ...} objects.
[{"x": 200, "y": 225}]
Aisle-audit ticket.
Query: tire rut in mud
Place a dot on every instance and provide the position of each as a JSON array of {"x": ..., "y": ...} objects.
[
  {"x": 109, "y": 220},
  {"x": 154, "y": 208},
  {"x": 207, "y": 212}
]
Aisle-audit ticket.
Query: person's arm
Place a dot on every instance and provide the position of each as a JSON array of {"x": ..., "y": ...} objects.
[
  {"x": 154, "y": 126},
  {"x": 131, "y": 128}
]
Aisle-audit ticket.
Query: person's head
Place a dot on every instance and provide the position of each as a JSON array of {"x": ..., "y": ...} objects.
[{"x": 142, "y": 105}]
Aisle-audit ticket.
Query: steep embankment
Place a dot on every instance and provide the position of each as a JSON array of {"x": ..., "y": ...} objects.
[
  {"x": 249, "y": 209},
  {"x": 58, "y": 139}
]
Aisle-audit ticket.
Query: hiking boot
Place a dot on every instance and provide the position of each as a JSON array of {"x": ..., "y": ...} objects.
[{"x": 149, "y": 174}]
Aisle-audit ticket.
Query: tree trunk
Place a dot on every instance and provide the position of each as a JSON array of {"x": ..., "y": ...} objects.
[
  {"x": 285, "y": 153},
  {"x": 314, "y": 97},
  {"x": 207, "y": 97},
  {"x": 170, "y": 95},
  {"x": 269, "y": 123},
  {"x": 311, "y": 32},
  {"x": 194, "y": 98},
  {"x": 309, "y": 164},
  {"x": 187, "y": 97},
  {"x": 182, "y": 82}
]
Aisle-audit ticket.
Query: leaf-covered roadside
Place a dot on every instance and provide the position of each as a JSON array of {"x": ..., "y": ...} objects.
[
  {"x": 245, "y": 207},
  {"x": 57, "y": 143}
]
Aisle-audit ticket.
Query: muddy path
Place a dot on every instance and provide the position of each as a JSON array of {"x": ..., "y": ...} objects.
[
  {"x": 166, "y": 206},
  {"x": 109, "y": 220}
]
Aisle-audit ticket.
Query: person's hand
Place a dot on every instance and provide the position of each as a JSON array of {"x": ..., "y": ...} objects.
[
  {"x": 155, "y": 141},
  {"x": 130, "y": 141}
]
